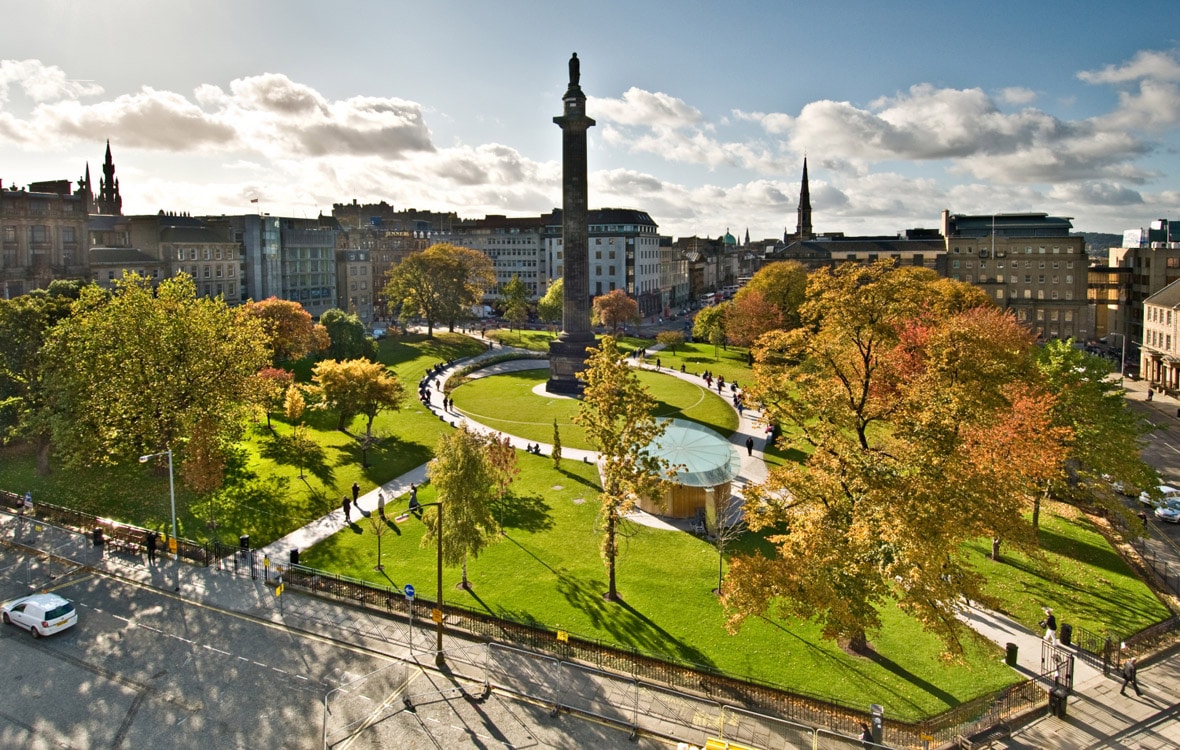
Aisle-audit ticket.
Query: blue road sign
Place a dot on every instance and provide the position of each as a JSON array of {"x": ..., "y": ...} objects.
[{"x": 409, "y": 591}]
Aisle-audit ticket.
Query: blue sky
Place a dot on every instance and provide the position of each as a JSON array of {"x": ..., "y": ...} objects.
[{"x": 704, "y": 109}]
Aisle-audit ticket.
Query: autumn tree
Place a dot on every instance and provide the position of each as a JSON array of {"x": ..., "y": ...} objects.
[
  {"x": 515, "y": 298},
  {"x": 709, "y": 325},
  {"x": 357, "y": 387},
  {"x": 924, "y": 425},
  {"x": 781, "y": 284},
  {"x": 749, "y": 316},
  {"x": 294, "y": 406},
  {"x": 290, "y": 332},
  {"x": 1104, "y": 433},
  {"x": 440, "y": 284},
  {"x": 614, "y": 309},
  {"x": 556, "y": 445},
  {"x": 141, "y": 369},
  {"x": 551, "y": 306},
  {"x": 466, "y": 480},
  {"x": 269, "y": 388},
  {"x": 617, "y": 413},
  {"x": 347, "y": 337},
  {"x": 670, "y": 340}
]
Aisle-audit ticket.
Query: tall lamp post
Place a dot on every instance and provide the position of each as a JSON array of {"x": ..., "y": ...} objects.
[
  {"x": 438, "y": 614},
  {"x": 172, "y": 499}
]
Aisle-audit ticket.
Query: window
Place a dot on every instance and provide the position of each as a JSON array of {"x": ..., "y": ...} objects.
[
  {"x": 180, "y": 253},
  {"x": 208, "y": 254},
  {"x": 192, "y": 255},
  {"x": 219, "y": 253}
]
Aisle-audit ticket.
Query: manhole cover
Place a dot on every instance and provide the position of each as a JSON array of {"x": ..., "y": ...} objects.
[
  {"x": 558, "y": 488},
  {"x": 579, "y": 500}
]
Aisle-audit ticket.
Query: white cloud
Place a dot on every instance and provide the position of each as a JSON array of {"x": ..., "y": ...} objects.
[
  {"x": 1146, "y": 64},
  {"x": 42, "y": 83},
  {"x": 639, "y": 107},
  {"x": 1017, "y": 95}
]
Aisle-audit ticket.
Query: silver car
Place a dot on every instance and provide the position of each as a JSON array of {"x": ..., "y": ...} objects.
[
  {"x": 1169, "y": 511},
  {"x": 40, "y": 614}
]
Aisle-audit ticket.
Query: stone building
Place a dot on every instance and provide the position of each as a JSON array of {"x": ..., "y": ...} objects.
[
  {"x": 514, "y": 245},
  {"x": 355, "y": 286},
  {"x": 43, "y": 236},
  {"x": 624, "y": 254},
  {"x": 1151, "y": 257},
  {"x": 1160, "y": 351},
  {"x": 1027, "y": 263}
]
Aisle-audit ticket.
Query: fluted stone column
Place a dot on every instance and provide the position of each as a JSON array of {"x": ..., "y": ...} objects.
[{"x": 567, "y": 355}]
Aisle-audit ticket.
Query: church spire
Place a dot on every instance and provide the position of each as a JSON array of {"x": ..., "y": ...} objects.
[
  {"x": 108, "y": 200},
  {"x": 803, "y": 228}
]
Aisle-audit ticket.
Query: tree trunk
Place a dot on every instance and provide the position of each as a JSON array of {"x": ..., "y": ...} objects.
[
  {"x": 995, "y": 548},
  {"x": 612, "y": 593},
  {"x": 43, "y": 446},
  {"x": 465, "y": 585},
  {"x": 858, "y": 642}
]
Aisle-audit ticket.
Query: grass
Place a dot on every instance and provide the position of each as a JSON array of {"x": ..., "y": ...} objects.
[
  {"x": 508, "y": 404},
  {"x": 546, "y": 570}
]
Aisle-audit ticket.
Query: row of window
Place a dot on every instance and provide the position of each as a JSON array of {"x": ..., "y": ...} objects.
[
  {"x": 41, "y": 233},
  {"x": 1028, "y": 250},
  {"x": 1159, "y": 340},
  {"x": 205, "y": 253},
  {"x": 1157, "y": 315},
  {"x": 1015, "y": 264}
]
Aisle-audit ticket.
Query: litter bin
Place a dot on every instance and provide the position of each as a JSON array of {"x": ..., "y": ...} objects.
[
  {"x": 1057, "y": 701},
  {"x": 1010, "y": 657},
  {"x": 244, "y": 542},
  {"x": 1066, "y": 634},
  {"x": 96, "y": 537},
  {"x": 294, "y": 557}
]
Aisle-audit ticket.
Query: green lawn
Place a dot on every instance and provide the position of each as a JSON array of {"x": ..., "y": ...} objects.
[
  {"x": 547, "y": 570},
  {"x": 508, "y": 404}
]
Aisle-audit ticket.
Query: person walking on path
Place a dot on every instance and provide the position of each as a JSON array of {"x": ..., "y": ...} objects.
[
  {"x": 150, "y": 543},
  {"x": 749, "y": 446},
  {"x": 356, "y": 492},
  {"x": 1050, "y": 626},
  {"x": 346, "y": 504},
  {"x": 381, "y": 504},
  {"x": 1129, "y": 677},
  {"x": 866, "y": 736},
  {"x": 414, "y": 507}
]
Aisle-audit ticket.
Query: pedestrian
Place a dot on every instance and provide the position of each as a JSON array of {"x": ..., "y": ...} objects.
[
  {"x": 347, "y": 505},
  {"x": 1050, "y": 626},
  {"x": 356, "y": 492},
  {"x": 414, "y": 506},
  {"x": 381, "y": 504},
  {"x": 657, "y": 363},
  {"x": 1150, "y": 393},
  {"x": 149, "y": 543},
  {"x": 866, "y": 736},
  {"x": 749, "y": 446},
  {"x": 1129, "y": 677}
]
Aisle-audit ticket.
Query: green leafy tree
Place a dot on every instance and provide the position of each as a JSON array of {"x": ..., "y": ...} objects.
[
  {"x": 25, "y": 323},
  {"x": 1103, "y": 432},
  {"x": 671, "y": 340},
  {"x": 357, "y": 387},
  {"x": 515, "y": 298},
  {"x": 617, "y": 413},
  {"x": 551, "y": 306},
  {"x": 440, "y": 284},
  {"x": 347, "y": 337},
  {"x": 140, "y": 370},
  {"x": 709, "y": 325},
  {"x": 466, "y": 480}
]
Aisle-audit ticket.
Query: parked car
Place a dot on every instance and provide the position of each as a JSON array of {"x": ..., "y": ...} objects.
[
  {"x": 1165, "y": 492},
  {"x": 1169, "y": 511},
  {"x": 40, "y": 614}
]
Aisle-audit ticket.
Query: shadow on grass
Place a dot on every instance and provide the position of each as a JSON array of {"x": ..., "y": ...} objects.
[
  {"x": 525, "y": 513},
  {"x": 285, "y": 451},
  {"x": 579, "y": 479}
]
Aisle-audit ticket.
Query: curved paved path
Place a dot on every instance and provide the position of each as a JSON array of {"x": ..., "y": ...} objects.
[{"x": 753, "y": 468}]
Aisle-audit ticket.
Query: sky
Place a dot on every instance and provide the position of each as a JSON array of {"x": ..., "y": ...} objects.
[{"x": 704, "y": 110}]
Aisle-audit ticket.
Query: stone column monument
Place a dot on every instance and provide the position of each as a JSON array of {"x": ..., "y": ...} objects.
[{"x": 567, "y": 355}]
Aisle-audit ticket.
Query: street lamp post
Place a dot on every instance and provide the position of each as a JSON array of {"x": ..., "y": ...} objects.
[
  {"x": 438, "y": 615},
  {"x": 172, "y": 500},
  {"x": 1123, "y": 359}
]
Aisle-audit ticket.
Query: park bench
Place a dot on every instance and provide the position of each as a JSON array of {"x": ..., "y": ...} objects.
[{"x": 119, "y": 537}]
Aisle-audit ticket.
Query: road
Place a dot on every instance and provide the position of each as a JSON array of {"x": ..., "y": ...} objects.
[{"x": 146, "y": 668}]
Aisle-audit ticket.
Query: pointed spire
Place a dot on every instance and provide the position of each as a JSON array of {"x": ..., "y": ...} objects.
[{"x": 803, "y": 227}]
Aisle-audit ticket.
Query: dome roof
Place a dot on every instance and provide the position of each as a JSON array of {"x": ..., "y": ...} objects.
[
  {"x": 703, "y": 458},
  {"x": 729, "y": 239}
]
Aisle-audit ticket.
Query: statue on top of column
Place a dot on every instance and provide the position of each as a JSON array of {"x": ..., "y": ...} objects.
[{"x": 575, "y": 70}]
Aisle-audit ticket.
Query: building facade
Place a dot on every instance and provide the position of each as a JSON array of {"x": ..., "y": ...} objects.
[
  {"x": 1026, "y": 263},
  {"x": 1152, "y": 258},
  {"x": 624, "y": 254},
  {"x": 43, "y": 236},
  {"x": 1160, "y": 351},
  {"x": 515, "y": 247},
  {"x": 355, "y": 286}
]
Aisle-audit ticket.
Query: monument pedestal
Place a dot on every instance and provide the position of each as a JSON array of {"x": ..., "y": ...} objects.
[{"x": 567, "y": 357}]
